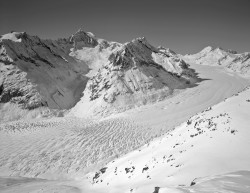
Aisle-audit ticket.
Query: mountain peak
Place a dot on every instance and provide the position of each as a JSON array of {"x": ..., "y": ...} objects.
[
  {"x": 83, "y": 39},
  {"x": 207, "y": 49},
  {"x": 81, "y": 31},
  {"x": 217, "y": 49},
  {"x": 141, "y": 40}
]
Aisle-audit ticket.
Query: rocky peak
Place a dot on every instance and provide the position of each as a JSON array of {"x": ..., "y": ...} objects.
[
  {"x": 142, "y": 43},
  {"x": 139, "y": 49},
  {"x": 83, "y": 39},
  {"x": 141, "y": 40}
]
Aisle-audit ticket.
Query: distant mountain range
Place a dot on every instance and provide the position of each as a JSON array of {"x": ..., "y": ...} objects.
[{"x": 218, "y": 56}]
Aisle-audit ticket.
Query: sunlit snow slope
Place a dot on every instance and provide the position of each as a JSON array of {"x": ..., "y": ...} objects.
[{"x": 212, "y": 142}]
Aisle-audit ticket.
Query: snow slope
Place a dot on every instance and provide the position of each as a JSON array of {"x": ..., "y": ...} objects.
[
  {"x": 230, "y": 182},
  {"x": 209, "y": 143},
  {"x": 218, "y": 56}
]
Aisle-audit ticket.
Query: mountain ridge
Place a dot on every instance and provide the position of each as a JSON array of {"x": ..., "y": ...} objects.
[{"x": 60, "y": 70}]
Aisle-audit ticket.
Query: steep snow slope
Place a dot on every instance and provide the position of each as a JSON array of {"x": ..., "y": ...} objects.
[
  {"x": 210, "y": 143},
  {"x": 217, "y": 56},
  {"x": 54, "y": 73}
]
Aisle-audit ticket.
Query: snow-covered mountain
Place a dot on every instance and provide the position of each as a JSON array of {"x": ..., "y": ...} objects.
[
  {"x": 218, "y": 56},
  {"x": 58, "y": 73},
  {"x": 121, "y": 153},
  {"x": 135, "y": 74},
  {"x": 207, "y": 152}
]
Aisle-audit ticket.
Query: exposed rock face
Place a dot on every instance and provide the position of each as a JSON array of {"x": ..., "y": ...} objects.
[
  {"x": 58, "y": 73},
  {"x": 15, "y": 88},
  {"x": 241, "y": 63},
  {"x": 218, "y": 56},
  {"x": 46, "y": 66},
  {"x": 83, "y": 39}
]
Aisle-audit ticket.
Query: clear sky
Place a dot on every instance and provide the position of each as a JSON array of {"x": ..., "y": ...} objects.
[{"x": 185, "y": 26}]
